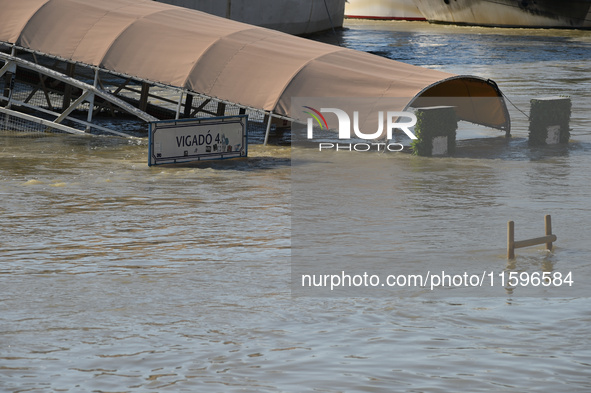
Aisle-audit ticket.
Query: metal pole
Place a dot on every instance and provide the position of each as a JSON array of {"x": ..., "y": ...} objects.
[
  {"x": 9, "y": 72},
  {"x": 9, "y": 78},
  {"x": 70, "y": 70},
  {"x": 188, "y": 105},
  {"x": 91, "y": 100},
  {"x": 144, "y": 95},
  {"x": 268, "y": 128},
  {"x": 221, "y": 109},
  {"x": 178, "y": 107}
]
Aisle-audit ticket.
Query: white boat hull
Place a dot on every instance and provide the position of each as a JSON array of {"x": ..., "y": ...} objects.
[
  {"x": 289, "y": 16},
  {"x": 383, "y": 9},
  {"x": 509, "y": 13}
]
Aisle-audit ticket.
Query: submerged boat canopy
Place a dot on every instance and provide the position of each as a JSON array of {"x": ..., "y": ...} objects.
[{"x": 223, "y": 59}]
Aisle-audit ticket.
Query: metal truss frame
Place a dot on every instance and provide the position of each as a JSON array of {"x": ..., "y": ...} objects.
[{"x": 113, "y": 100}]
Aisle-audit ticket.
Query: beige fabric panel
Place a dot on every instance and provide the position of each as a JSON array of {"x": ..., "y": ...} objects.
[
  {"x": 99, "y": 38},
  {"x": 161, "y": 53},
  {"x": 14, "y": 15},
  {"x": 350, "y": 73},
  {"x": 254, "y": 66},
  {"x": 59, "y": 26}
]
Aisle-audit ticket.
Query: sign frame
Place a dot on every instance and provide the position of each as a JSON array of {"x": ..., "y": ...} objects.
[{"x": 188, "y": 134}]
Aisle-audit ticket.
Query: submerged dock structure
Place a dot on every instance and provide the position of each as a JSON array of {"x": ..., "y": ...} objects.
[{"x": 71, "y": 65}]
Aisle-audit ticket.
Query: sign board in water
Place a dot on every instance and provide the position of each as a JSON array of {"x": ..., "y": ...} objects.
[{"x": 178, "y": 141}]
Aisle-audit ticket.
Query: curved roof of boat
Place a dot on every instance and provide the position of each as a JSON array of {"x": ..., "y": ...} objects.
[{"x": 220, "y": 58}]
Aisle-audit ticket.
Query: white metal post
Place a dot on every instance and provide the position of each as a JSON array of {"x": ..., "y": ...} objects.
[
  {"x": 178, "y": 107},
  {"x": 10, "y": 70},
  {"x": 91, "y": 100},
  {"x": 268, "y": 128}
]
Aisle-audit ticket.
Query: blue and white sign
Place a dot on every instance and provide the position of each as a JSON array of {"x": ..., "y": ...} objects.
[{"x": 180, "y": 141}]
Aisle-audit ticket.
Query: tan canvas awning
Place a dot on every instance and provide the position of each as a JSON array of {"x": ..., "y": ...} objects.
[{"x": 223, "y": 59}]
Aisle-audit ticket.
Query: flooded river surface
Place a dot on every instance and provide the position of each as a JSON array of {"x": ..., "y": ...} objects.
[{"x": 119, "y": 277}]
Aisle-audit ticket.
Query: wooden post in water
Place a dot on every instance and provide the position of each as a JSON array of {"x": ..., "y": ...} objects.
[
  {"x": 548, "y": 227},
  {"x": 510, "y": 240},
  {"x": 512, "y": 244}
]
